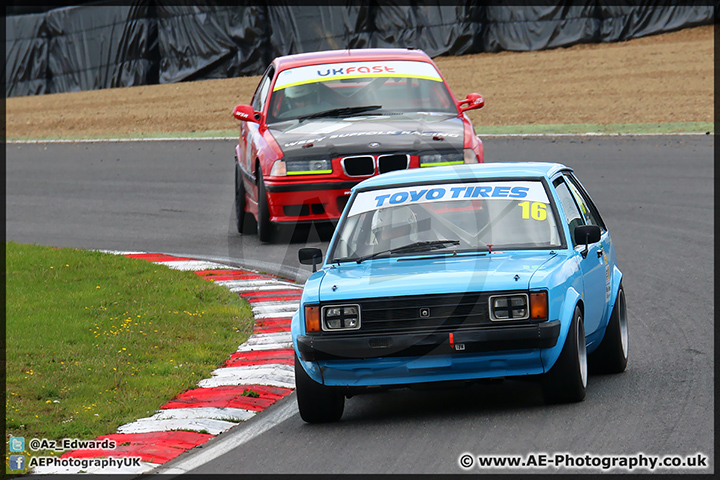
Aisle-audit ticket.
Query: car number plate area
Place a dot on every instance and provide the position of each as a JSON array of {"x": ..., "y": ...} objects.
[{"x": 427, "y": 363}]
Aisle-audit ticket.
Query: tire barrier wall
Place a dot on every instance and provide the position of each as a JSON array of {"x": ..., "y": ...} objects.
[{"x": 103, "y": 45}]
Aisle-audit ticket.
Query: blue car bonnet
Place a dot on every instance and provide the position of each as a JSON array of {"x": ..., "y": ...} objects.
[{"x": 433, "y": 275}]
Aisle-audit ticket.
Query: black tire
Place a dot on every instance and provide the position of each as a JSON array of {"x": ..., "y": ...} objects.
[
  {"x": 612, "y": 354},
  {"x": 566, "y": 382},
  {"x": 317, "y": 403},
  {"x": 240, "y": 216},
  {"x": 264, "y": 225}
]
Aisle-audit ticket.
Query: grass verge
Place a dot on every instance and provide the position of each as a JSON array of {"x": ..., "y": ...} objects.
[
  {"x": 96, "y": 340},
  {"x": 579, "y": 128}
]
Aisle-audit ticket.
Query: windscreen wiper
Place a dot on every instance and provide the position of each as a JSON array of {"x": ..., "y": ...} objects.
[
  {"x": 416, "y": 247},
  {"x": 342, "y": 112}
]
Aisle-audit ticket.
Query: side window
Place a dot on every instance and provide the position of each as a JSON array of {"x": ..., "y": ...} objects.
[
  {"x": 573, "y": 217},
  {"x": 586, "y": 205},
  {"x": 261, "y": 94}
]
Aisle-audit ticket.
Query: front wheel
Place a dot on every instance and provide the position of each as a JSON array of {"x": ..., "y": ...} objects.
[
  {"x": 612, "y": 354},
  {"x": 264, "y": 225},
  {"x": 240, "y": 215},
  {"x": 566, "y": 381},
  {"x": 317, "y": 403}
]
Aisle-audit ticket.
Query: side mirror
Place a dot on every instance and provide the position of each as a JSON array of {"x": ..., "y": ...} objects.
[
  {"x": 473, "y": 101},
  {"x": 310, "y": 256},
  {"x": 585, "y": 235},
  {"x": 246, "y": 114}
]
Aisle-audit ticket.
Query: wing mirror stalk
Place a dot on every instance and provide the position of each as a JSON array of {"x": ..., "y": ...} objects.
[{"x": 310, "y": 256}]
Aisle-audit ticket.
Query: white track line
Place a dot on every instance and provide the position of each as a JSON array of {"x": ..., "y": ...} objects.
[
  {"x": 193, "y": 265},
  {"x": 276, "y": 375},
  {"x": 230, "y": 441}
]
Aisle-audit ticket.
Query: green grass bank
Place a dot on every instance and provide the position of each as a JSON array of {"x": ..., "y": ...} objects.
[{"x": 96, "y": 340}]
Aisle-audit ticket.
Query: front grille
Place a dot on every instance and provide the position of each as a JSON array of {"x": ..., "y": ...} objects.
[
  {"x": 303, "y": 210},
  {"x": 296, "y": 210},
  {"x": 359, "y": 166},
  {"x": 390, "y": 163},
  {"x": 426, "y": 313}
]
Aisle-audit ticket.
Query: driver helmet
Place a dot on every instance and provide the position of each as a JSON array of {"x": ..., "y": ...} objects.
[
  {"x": 296, "y": 92},
  {"x": 392, "y": 219}
]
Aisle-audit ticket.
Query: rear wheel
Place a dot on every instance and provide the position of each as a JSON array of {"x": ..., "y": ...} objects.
[
  {"x": 566, "y": 381},
  {"x": 612, "y": 354},
  {"x": 264, "y": 225},
  {"x": 317, "y": 403}
]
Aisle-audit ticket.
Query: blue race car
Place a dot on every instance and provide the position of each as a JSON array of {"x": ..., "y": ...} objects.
[{"x": 460, "y": 273}]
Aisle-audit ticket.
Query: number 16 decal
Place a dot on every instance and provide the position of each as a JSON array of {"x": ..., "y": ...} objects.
[{"x": 535, "y": 210}]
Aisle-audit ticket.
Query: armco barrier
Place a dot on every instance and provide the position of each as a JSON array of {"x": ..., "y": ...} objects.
[{"x": 104, "y": 45}]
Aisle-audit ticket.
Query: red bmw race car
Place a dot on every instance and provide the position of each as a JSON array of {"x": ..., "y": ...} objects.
[{"x": 321, "y": 122}]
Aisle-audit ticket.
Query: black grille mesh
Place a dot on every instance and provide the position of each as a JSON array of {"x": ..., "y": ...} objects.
[{"x": 426, "y": 313}]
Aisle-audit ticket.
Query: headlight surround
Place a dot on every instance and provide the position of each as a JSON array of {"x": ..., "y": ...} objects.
[
  {"x": 509, "y": 307},
  {"x": 340, "y": 317},
  {"x": 518, "y": 306},
  {"x": 282, "y": 168},
  {"x": 440, "y": 159}
]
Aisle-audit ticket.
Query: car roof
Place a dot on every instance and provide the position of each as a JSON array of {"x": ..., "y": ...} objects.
[
  {"x": 464, "y": 172},
  {"x": 350, "y": 55}
]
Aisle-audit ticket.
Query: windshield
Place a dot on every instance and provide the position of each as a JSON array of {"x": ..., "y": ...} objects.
[
  {"x": 470, "y": 216},
  {"x": 354, "y": 88}
]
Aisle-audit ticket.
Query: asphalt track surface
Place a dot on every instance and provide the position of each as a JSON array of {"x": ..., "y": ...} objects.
[{"x": 656, "y": 195}]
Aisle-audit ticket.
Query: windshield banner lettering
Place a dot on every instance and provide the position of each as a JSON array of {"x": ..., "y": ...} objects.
[
  {"x": 373, "y": 200},
  {"x": 335, "y": 71}
]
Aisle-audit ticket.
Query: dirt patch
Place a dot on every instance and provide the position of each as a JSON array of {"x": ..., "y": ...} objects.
[{"x": 657, "y": 79}]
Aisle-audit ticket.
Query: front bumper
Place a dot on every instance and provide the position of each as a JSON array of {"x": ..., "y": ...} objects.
[
  {"x": 297, "y": 202},
  {"x": 419, "y": 359},
  {"x": 363, "y": 346}
]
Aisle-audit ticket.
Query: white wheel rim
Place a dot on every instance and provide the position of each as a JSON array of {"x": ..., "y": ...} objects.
[
  {"x": 622, "y": 321},
  {"x": 582, "y": 353}
]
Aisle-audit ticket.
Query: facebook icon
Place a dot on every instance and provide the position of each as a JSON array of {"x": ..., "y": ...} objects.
[{"x": 17, "y": 462}]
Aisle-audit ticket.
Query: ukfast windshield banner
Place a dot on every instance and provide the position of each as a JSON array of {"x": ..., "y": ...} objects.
[{"x": 339, "y": 71}]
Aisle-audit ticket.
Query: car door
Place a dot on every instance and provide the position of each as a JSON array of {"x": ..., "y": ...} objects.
[
  {"x": 604, "y": 249},
  {"x": 592, "y": 265}
]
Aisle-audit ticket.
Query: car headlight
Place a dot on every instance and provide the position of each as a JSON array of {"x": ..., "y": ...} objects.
[
  {"x": 469, "y": 156},
  {"x": 519, "y": 306},
  {"x": 509, "y": 307},
  {"x": 340, "y": 317},
  {"x": 282, "y": 168},
  {"x": 439, "y": 159}
]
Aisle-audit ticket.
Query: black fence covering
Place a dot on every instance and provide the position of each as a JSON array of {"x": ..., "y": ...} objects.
[
  {"x": 211, "y": 41},
  {"x": 100, "y": 47},
  {"x": 625, "y": 22},
  {"x": 26, "y": 55},
  {"x": 539, "y": 27},
  {"x": 106, "y": 45},
  {"x": 434, "y": 27},
  {"x": 303, "y": 28}
]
